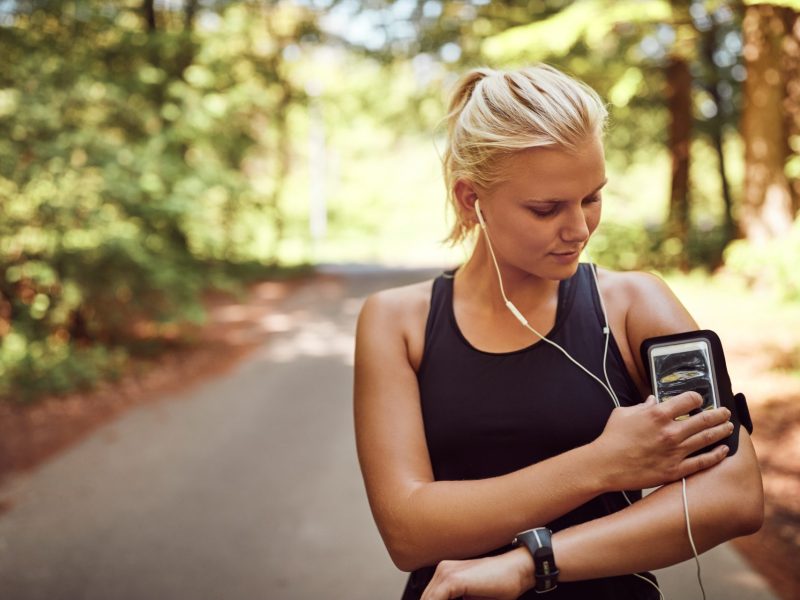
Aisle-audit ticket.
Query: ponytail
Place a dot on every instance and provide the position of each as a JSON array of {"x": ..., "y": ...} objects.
[{"x": 461, "y": 95}]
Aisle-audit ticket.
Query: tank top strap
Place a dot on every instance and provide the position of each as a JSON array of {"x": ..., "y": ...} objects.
[
  {"x": 583, "y": 333},
  {"x": 438, "y": 320},
  {"x": 581, "y": 297}
]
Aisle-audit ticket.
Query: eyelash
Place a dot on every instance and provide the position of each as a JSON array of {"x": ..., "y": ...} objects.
[{"x": 554, "y": 210}]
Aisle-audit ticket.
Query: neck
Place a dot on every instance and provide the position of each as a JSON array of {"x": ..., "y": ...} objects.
[{"x": 479, "y": 275}]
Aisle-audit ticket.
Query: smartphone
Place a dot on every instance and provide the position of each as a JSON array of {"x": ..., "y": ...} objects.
[{"x": 685, "y": 366}]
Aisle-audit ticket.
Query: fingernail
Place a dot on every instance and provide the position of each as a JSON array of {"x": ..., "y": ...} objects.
[{"x": 730, "y": 426}]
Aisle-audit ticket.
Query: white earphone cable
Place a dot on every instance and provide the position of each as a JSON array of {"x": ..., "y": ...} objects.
[
  {"x": 606, "y": 386},
  {"x": 521, "y": 318},
  {"x": 691, "y": 539},
  {"x": 683, "y": 479},
  {"x": 607, "y": 332}
]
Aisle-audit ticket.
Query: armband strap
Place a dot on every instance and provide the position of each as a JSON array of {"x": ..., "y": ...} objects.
[
  {"x": 736, "y": 403},
  {"x": 743, "y": 412}
]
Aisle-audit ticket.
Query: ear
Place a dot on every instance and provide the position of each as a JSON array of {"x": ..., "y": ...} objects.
[{"x": 466, "y": 193}]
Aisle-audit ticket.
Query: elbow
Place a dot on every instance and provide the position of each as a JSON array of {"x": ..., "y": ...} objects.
[
  {"x": 398, "y": 549},
  {"x": 404, "y": 562},
  {"x": 751, "y": 512},
  {"x": 406, "y": 552},
  {"x": 404, "y": 537},
  {"x": 743, "y": 489},
  {"x": 745, "y": 509},
  {"x": 738, "y": 511}
]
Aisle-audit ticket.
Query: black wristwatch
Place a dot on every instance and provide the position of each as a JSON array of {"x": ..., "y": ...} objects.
[{"x": 538, "y": 543}]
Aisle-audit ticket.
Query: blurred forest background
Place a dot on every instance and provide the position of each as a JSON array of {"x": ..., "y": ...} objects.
[{"x": 154, "y": 149}]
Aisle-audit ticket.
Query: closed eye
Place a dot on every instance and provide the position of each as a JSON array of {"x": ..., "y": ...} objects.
[
  {"x": 548, "y": 209},
  {"x": 545, "y": 212}
]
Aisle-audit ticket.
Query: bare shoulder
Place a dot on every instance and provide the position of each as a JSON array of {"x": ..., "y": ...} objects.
[
  {"x": 397, "y": 315},
  {"x": 640, "y": 306},
  {"x": 395, "y": 307},
  {"x": 646, "y": 300},
  {"x": 646, "y": 296},
  {"x": 634, "y": 288}
]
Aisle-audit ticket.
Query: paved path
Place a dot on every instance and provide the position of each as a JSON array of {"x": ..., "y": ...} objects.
[{"x": 247, "y": 487}]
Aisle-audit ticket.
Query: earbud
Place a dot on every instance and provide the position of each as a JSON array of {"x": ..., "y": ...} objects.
[{"x": 480, "y": 214}]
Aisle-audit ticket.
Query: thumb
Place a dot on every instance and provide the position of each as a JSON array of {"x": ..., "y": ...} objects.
[{"x": 650, "y": 402}]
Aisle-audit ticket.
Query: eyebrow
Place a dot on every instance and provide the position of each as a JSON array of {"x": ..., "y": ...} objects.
[{"x": 594, "y": 191}]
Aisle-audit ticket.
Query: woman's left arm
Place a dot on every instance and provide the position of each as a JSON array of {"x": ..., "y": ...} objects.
[{"x": 725, "y": 501}]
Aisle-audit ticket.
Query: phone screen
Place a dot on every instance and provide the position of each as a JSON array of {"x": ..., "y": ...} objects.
[{"x": 684, "y": 367}]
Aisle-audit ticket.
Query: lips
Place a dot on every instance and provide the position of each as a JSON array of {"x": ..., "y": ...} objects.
[{"x": 566, "y": 257}]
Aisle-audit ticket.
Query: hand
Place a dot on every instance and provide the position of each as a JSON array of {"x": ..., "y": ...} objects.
[
  {"x": 644, "y": 446},
  {"x": 503, "y": 577}
]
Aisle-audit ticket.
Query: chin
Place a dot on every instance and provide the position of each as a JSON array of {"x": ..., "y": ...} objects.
[
  {"x": 558, "y": 272},
  {"x": 568, "y": 272}
]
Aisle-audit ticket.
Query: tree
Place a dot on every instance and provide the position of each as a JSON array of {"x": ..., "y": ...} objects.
[
  {"x": 768, "y": 208},
  {"x": 722, "y": 114},
  {"x": 136, "y": 163}
]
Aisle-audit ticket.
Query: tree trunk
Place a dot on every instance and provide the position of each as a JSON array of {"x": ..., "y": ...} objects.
[
  {"x": 767, "y": 202},
  {"x": 148, "y": 6},
  {"x": 717, "y": 134},
  {"x": 188, "y": 16},
  {"x": 791, "y": 69},
  {"x": 679, "y": 104},
  {"x": 283, "y": 166}
]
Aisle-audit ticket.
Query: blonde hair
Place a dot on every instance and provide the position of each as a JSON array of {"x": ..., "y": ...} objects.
[{"x": 492, "y": 114}]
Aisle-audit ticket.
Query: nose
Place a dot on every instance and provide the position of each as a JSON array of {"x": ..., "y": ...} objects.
[{"x": 575, "y": 228}]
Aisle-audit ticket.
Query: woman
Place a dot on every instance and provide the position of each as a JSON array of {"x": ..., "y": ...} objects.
[{"x": 471, "y": 430}]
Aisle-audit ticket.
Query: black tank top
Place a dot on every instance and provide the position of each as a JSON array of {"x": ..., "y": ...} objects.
[{"x": 487, "y": 414}]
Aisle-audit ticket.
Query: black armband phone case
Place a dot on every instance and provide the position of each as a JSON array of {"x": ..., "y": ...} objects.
[{"x": 736, "y": 403}]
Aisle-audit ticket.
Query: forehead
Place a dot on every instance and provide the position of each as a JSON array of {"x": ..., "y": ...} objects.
[{"x": 554, "y": 172}]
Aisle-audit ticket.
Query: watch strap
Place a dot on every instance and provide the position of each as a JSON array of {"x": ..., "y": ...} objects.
[{"x": 538, "y": 541}]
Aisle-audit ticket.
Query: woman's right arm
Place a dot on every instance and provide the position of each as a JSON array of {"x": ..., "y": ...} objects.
[{"x": 423, "y": 521}]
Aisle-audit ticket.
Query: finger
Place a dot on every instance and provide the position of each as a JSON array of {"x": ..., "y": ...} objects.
[
  {"x": 651, "y": 401},
  {"x": 703, "y": 461},
  {"x": 435, "y": 591},
  {"x": 707, "y": 437},
  {"x": 703, "y": 420},
  {"x": 445, "y": 584},
  {"x": 681, "y": 404}
]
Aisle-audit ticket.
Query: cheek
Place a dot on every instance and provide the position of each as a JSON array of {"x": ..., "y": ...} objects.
[
  {"x": 523, "y": 236},
  {"x": 593, "y": 218},
  {"x": 531, "y": 231}
]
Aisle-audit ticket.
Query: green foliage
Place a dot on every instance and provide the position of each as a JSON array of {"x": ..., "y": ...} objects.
[
  {"x": 795, "y": 4},
  {"x": 134, "y": 166},
  {"x": 634, "y": 246},
  {"x": 139, "y": 167},
  {"x": 31, "y": 368},
  {"x": 771, "y": 264},
  {"x": 592, "y": 20}
]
